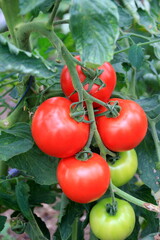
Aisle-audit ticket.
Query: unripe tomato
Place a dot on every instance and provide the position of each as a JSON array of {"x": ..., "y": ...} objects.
[
  {"x": 124, "y": 168},
  {"x": 55, "y": 132},
  {"x": 112, "y": 227},
  {"x": 83, "y": 181},
  {"x": 127, "y": 130},
  {"x": 108, "y": 77}
]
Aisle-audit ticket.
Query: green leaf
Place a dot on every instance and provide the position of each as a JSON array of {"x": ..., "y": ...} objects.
[
  {"x": 73, "y": 210},
  {"x": 94, "y": 25},
  {"x": 148, "y": 22},
  {"x": 7, "y": 194},
  {"x": 28, "y": 5},
  {"x": 144, "y": 5},
  {"x": 136, "y": 56},
  {"x": 15, "y": 141},
  {"x": 151, "y": 105},
  {"x": 125, "y": 19},
  {"x": 152, "y": 236},
  {"x": 147, "y": 159},
  {"x": 41, "y": 194},
  {"x": 13, "y": 59},
  {"x": 22, "y": 194},
  {"x": 156, "y": 47},
  {"x": 37, "y": 164},
  {"x": 2, "y": 222}
]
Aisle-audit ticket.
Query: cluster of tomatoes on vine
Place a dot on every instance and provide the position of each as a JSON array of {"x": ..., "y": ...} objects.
[{"x": 57, "y": 134}]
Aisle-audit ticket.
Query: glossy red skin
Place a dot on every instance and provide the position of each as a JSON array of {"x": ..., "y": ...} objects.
[
  {"x": 108, "y": 77},
  {"x": 127, "y": 130},
  {"x": 83, "y": 181},
  {"x": 55, "y": 132}
]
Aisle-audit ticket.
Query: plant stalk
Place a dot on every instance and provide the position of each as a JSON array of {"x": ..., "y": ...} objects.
[
  {"x": 3, "y": 169},
  {"x": 139, "y": 44},
  {"x": 75, "y": 229},
  {"x": 136, "y": 201},
  {"x": 53, "y": 13},
  {"x": 12, "y": 17}
]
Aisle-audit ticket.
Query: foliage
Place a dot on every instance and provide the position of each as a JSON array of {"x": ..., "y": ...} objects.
[{"x": 33, "y": 51}]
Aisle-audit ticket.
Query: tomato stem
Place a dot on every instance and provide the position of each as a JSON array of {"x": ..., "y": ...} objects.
[
  {"x": 113, "y": 206},
  {"x": 75, "y": 229},
  {"x": 53, "y": 13},
  {"x": 12, "y": 16},
  {"x": 3, "y": 169},
  {"x": 136, "y": 201},
  {"x": 94, "y": 132},
  {"x": 138, "y": 44}
]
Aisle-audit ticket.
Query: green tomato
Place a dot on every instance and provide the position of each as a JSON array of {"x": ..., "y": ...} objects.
[
  {"x": 112, "y": 227},
  {"x": 124, "y": 168}
]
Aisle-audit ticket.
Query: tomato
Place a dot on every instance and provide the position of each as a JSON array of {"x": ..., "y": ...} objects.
[
  {"x": 55, "y": 132},
  {"x": 124, "y": 168},
  {"x": 125, "y": 131},
  {"x": 112, "y": 227},
  {"x": 108, "y": 77},
  {"x": 83, "y": 181}
]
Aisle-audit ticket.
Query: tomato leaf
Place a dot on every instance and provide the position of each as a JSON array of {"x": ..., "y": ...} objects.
[
  {"x": 73, "y": 210},
  {"x": 148, "y": 22},
  {"x": 28, "y": 5},
  {"x": 13, "y": 59},
  {"x": 94, "y": 25},
  {"x": 147, "y": 160},
  {"x": 152, "y": 236},
  {"x": 7, "y": 194},
  {"x": 15, "y": 141},
  {"x": 136, "y": 56},
  {"x": 37, "y": 164},
  {"x": 151, "y": 105},
  {"x": 40, "y": 194},
  {"x": 22, "y": 194},
  {"x": 2, "y": 222}
]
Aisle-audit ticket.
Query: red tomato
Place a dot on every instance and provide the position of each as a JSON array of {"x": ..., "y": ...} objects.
[
  {"x": 83, "y": 181},
  {"x": 125, "y": 131},
  {"x": 55, "y": 132},
  {"x": 108, "y": 77}
]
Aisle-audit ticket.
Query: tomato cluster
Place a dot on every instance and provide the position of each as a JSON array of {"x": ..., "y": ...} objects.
[{"x": 58, "y": 134}]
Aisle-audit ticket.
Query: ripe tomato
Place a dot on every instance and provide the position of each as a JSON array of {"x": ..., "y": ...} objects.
[
  {"x": 83, "y": 181},
  {"x": 112, "y": 227},
  {"x": 108, "y": 77},
  {"x": 55, "y": 132},
  {"x": 124, "y": 168},
  {"x": 125, "y": 131}
]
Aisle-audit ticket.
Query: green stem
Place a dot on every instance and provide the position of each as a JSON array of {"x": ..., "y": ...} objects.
[
  {"x": 23, "y": 33},
  {"x": 132, "y": 85},
  {"x": 12, "y": 17},
  {"x": 63, "y": 21},
  {"x": 138, "y": 202},
  {"x": 75, "y": 229},
  {"x": 139, "y": 44},
  {"x": 3, "y": 168},
  {"x": 112, "y": 193},
  {"x": 128, "y": 34},
  {"x": 12, "y": 118},
  {"x": 53, "y": 13},
  {"x": 103, "y": 150}
]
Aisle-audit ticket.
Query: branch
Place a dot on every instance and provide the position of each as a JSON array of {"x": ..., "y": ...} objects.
[{"x": 138, "y": 202}]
